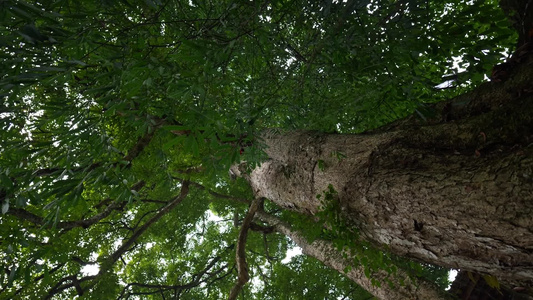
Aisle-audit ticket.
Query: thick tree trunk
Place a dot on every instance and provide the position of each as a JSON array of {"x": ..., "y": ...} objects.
[{"x": 457, "y": 194}]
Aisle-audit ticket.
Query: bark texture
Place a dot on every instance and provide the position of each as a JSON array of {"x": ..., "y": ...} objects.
[
  {"x": 457, "y": 193},
  {"x": 325, "y": 252}
]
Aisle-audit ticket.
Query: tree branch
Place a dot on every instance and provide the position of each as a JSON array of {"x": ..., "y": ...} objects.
[
  {"x": 196, "y": 280},
  {"x": 81, "y": 262},
  {"x": 68, "y": 225},
  {"x": 132, "y": 154},
  {"x": 177, "y": 200},
  {"x": 261, "y": 228},
  {"x": 215, "y": 194},
  {"x": 38, "y": 278},
  {"x": 139, "y": 146},
  {"x": 328, "y": 254},
  {"x": 242, "y": 268},
  {"x": 74, "y": 282},
  {"x": 122, "y": 249}
]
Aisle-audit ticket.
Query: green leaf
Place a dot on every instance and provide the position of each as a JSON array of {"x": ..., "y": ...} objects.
[
  {"x": 5, "y": 206},
  {"x": 492, "y": 281},
  {"x": 321, "y": 165},
  {"x": 21, "y": 13},
  {"x": 12, "y": 276},
  {"x": 76, "y": 62}
]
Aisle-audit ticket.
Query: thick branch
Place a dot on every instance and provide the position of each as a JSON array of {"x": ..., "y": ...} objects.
[
  {"x": 215, "y": 194},
  {"x": 261, "y": 228},
  {"x": 132, "y": 154},
  {"x": 68, "y": 225},
  {"x": 38, "y": 278},
  {"x": 242, "y": 267},
  {"x": 326, "y": 252},
  {"x": 139, "y": 146},
  {"x": 73, "y": 281},
  {"x": 163, "y": 211}
]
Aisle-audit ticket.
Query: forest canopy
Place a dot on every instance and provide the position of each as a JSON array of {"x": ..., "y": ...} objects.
[{"x": 120, "y": 120}]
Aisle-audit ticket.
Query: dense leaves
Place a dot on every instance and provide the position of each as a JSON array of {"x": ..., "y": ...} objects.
[{"x": 110, "y": 108}]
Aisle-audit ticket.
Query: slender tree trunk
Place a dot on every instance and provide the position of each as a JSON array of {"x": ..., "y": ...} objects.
[{"x": 456, "y": 192}]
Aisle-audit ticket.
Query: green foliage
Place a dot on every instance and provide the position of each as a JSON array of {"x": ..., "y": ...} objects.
[
  {"x": 303, "y": 277},
  {"x": 107, "y": 106}
]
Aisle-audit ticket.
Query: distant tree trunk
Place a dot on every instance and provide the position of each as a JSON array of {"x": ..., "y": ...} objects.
[{"x": 456, "y": 191}]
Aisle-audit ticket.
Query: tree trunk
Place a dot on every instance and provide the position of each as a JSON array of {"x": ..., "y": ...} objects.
[
  {"x": 326, "y": 252},
  {"x": 456, "y": 192}
]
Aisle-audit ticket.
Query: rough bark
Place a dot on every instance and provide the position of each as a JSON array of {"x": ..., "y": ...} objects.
[
  {"x": 326, "y": 252},
  {"x": 457, "y": 194}
]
